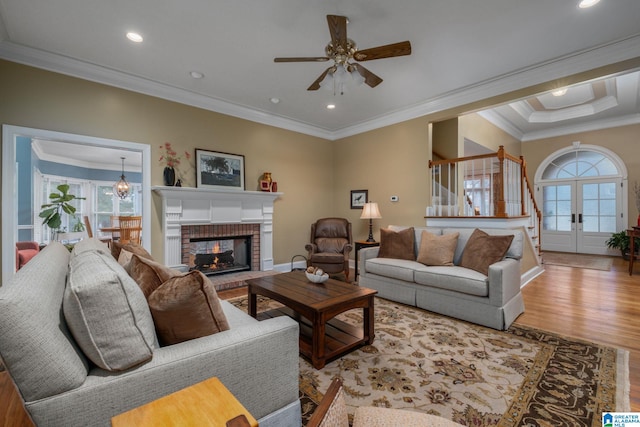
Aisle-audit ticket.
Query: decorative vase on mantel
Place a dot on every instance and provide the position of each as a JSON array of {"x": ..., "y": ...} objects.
[{"x": 169, "y": 176}]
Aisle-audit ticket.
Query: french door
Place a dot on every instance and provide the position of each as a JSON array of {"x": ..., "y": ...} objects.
[{"x": 579, "y": 216}]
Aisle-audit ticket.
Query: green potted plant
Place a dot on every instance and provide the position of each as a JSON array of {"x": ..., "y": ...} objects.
[
  {"x": 621, "y": 241},
  {"x": 60, "y": 203}
]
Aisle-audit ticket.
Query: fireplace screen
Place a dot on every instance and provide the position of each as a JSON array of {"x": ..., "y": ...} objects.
[{"x": 223, "y": 255}]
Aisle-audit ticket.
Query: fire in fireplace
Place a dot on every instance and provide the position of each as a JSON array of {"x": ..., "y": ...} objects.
[{"x": 213, "y": 255}]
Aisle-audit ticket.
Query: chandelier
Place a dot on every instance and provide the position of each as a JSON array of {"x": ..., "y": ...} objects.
[{"x": 121, "y": 188}]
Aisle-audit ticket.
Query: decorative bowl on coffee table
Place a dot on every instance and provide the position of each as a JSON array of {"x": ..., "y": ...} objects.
[{"x": 316, "y": 278}]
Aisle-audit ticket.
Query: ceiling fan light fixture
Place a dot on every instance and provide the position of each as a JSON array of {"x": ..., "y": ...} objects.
[
  {"x": 357, "y": 77},
  {"x": 327, "y": 82}
]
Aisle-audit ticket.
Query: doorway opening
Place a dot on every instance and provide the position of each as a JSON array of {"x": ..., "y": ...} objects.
[{"x": 582, "y": 191}]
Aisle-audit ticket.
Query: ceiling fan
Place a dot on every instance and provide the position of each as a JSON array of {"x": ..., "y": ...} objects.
[{"x": 343, "y": 50}]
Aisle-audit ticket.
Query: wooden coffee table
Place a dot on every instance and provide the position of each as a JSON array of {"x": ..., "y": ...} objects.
[{"x": 314, "y": 306}]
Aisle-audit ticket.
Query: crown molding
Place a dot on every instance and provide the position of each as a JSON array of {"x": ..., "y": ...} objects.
[
  {"x": 87, "y": 71},
  {"x": 610, "y": 53},
  {"x": 633, "y": 119}
]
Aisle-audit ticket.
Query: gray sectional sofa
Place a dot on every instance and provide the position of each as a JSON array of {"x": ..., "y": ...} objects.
[
  {"x": 256, "y": 360},
  {"x": 492, "y": 300}
]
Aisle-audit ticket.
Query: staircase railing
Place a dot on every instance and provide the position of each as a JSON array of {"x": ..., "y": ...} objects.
[{"x": 489, "y": 185}]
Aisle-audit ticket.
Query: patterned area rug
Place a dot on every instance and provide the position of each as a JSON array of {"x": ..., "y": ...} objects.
[
  {"x": 593, "y": 262},
  {"x": 470, "y": 374}
]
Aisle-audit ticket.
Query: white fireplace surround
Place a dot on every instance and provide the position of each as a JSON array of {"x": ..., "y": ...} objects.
[{"x": 200, "y": 206}]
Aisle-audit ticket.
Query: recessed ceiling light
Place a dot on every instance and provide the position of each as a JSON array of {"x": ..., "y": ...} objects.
[
  {"x": 330, "y": 106},
  {"x": 274, "y": 100},
  {"x": 559, "y": 92},
  {"x": 134, "y": 37},
  {"x": 587, "y": 3},
  {"x": 196, "y": 74}
]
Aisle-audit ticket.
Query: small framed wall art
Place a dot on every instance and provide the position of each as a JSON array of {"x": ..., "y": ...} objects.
[
  {"x": 359, "y": 198},
  {"x": 223, "y": 171}
]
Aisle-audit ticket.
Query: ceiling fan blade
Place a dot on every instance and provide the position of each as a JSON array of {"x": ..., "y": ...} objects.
[
  {"x": 302, "y": 59},
  {"x": 369, "y": 78},
  {"x": 316, "y": 85},
  {"x": 386, "y": 51},
  {"x": 338, "y": 30}
]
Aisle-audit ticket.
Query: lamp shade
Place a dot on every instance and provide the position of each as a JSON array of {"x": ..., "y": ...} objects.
[{"x": 370, "y": 211}]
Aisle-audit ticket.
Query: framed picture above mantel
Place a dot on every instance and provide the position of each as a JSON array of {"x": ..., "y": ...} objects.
[{"x": 219, "y": 170}]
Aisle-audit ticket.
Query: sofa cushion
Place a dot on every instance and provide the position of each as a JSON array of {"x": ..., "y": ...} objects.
[
  {"x": 457, "y": 279},
  {"x": 35, "y": 343},
  {"x": 148, "y": 274},
  {"x": 482, "y": 250},
  {"x": 107, "y": 312},
  {"x": 437, "y": 250},
  {"x": 87, "y": 245},
  {"x": 135, "y": 248},
  {"x": 397, "y": 244},
  {"x": 400, "y": 269},
  {"x": 186, "y": 307}
]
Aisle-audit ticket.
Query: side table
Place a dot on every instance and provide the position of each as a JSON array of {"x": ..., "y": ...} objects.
[
  {"x": 359, "y": 245},
  {"x": 633, "y": 233},
  {"x": 205, "y": 403}
]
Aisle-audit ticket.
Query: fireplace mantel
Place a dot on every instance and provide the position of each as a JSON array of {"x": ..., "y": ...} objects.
[{"x": 199, "y": 206}]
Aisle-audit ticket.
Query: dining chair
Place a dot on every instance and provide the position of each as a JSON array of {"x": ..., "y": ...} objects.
[
  {"x": 130, "y": 229},
  {"x": 113, "y": 220},
  {"x": 89, "y": 230}
]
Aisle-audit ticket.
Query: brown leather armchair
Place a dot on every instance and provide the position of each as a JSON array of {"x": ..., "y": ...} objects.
[{"x": 331, "y": 243}]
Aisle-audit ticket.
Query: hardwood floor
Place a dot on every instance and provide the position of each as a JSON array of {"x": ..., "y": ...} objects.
[{"x": 599, "y": 306}]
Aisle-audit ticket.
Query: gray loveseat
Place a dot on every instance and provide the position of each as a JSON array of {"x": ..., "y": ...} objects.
[
  {"x": 256, "y": 361},
  {"x": 492, "y": 300}
]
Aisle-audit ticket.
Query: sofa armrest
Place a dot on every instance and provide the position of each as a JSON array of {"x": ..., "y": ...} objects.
[
  {"x": 364, "y": 254},
  {"x": 504, "y": 281},
  {"x": 257, "y": 362}
]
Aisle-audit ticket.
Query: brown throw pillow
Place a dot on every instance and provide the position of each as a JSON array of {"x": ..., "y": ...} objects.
[
  {"x": 148, "y": 274},
  {"x": 437, "y": 250},
  {"x": 399, "y": 245},
  {"x": 482, "y": 250},
  {"x": 186, "y": 307},
  {"x": 134, "y": 248}
]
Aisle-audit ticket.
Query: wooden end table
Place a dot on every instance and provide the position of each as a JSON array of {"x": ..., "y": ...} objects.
[
  {"x": 207, "y": 403},
  {"x": 314, "y": 306},
  {"x": 632, "y": 233}
]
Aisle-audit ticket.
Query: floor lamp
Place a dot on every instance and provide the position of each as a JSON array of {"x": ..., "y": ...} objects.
[{"x": 370, "y": 211}]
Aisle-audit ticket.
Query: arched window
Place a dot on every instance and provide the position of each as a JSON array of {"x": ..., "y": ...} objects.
[{"x": 580, "y": 164}]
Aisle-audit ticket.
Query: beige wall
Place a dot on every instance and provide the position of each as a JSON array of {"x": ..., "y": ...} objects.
[
  {"x": 621, "y": 140},
  {"x": 302, "y": 165},
  {"x": 392, "y": 161},
  {"x": 479, "y": 130},
  {"x": 446, "y": 141}
]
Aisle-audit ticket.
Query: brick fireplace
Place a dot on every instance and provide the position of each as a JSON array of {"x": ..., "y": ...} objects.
[
  {"x": 195, "y": 213},
  {"x": 205, "y": 241}
]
